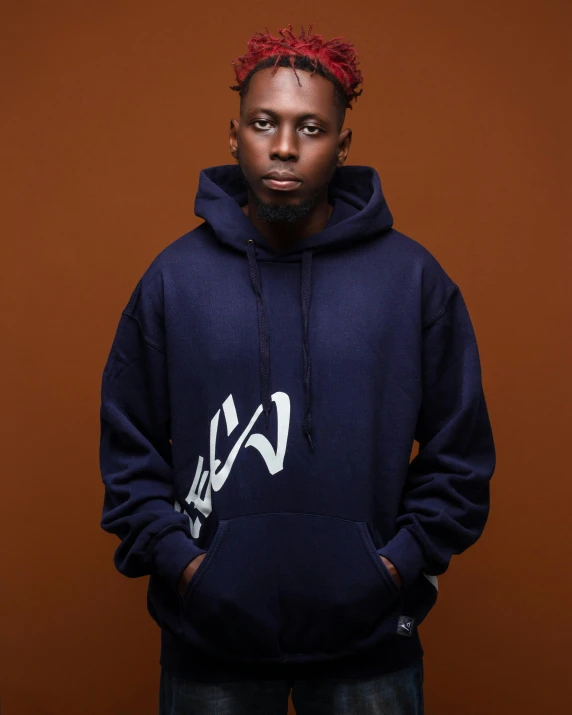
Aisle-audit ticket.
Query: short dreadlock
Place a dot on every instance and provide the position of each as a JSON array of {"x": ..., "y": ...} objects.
[{"x": 335, "y": 60}]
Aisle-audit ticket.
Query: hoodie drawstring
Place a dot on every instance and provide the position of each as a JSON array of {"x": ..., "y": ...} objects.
[
  {"x": 263, "y": 332},
  {"x": 264, "y": 336},
  {"x": 306, "y": 290}
]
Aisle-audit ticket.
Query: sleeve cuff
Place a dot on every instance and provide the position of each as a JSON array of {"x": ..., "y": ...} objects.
[
  {"x": 406, "y": 555},
  {"x": 171, "y": 555}
]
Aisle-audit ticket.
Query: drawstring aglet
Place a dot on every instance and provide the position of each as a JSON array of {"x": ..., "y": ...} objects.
[{"x": 309, "y": 436}]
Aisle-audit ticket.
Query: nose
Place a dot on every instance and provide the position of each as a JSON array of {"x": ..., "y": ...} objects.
[{"x": 285, "y": 144}]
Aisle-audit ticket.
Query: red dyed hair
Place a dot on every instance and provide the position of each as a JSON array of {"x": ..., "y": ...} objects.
[{"x": 335, "y": 57}]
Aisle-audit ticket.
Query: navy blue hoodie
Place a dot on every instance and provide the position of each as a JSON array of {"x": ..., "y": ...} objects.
[{"x": 261, "y": 408}]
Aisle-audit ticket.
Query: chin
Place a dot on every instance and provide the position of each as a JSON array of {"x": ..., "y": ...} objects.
[{"x": 283, "y": 211}]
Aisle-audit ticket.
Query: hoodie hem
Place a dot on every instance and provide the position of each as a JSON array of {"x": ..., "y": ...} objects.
[{"x": 395, "y": 653}]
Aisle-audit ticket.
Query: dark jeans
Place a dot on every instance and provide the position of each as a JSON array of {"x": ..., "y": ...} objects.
[{"x": 398, "y": 693}]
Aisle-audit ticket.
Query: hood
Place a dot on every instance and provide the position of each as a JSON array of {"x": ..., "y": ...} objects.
[
  {"x": 360, "y": 213},
  {"x": 222, "y": 192}
]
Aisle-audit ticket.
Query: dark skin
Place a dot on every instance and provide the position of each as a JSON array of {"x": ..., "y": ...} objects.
[{"x": 287, "y": 127}]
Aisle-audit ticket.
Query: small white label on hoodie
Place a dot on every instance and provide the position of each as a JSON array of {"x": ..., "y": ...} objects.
[{"x": 405, "y": 625}]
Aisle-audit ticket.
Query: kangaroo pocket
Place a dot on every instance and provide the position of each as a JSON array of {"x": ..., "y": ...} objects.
[{"x": 289, "y": 587}]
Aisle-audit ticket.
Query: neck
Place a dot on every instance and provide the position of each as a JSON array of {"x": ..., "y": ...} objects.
[{"x": 284, "y": 234}]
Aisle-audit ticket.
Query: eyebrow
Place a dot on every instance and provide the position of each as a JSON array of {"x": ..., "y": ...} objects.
[{"x": 300, "y": 117}]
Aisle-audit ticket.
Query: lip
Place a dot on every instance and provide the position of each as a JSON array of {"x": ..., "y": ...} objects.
[{"x": 281, "y": 181}]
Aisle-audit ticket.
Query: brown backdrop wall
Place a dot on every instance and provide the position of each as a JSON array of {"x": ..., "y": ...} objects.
[{"x": 110, "y": 109}]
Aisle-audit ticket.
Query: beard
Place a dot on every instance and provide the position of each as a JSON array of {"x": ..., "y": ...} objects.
[{"x": 282, "y": 213}]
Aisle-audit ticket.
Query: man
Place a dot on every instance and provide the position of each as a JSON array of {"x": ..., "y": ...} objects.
[{"x": 268, "y": 377}]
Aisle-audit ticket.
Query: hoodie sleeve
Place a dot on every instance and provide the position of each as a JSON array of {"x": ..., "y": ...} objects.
[
  {"x": 135, "y": 450},
  {"x": 445, "y": 502}
]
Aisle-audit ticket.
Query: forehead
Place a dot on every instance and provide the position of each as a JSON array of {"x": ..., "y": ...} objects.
[{"x": 282, "y": 93}]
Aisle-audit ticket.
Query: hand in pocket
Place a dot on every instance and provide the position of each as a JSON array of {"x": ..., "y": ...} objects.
[
  {"x": 392, "y": 570},
  {"x": 189, "y": 572}
]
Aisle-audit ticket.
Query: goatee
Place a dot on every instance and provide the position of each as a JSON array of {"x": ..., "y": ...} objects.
[{"x": 283, "y": 213}]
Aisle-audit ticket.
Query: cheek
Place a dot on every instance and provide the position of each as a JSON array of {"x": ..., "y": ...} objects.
[
  {"x": 251, "y": 153},
  {"x": 320, "y": 163}
]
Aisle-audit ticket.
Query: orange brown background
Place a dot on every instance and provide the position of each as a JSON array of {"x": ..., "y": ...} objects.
[{"x": 109, "y": 111}]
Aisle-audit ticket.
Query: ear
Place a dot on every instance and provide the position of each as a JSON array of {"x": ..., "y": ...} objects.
[
  {"x": 233, "y": 138},
  {"x": 344, "y": 142}
]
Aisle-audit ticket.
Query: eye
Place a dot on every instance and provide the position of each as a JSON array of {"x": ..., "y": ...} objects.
[
  {"x": 314, "y": 130},
  {"x": 262, "y": 121}
]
